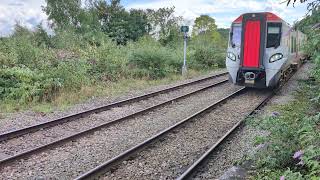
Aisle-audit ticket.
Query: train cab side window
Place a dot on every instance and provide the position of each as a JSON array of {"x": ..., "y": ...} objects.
[
  {"x": 236, "y": 36},
  {"x": 273, "y": 35},
  {"x": 295, "y": 44}
]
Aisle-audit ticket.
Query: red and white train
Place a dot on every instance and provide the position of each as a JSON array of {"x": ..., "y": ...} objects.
[{"x": 262, "y": 50}]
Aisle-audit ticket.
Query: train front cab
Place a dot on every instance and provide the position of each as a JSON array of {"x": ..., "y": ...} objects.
[
  {"x": 251, "y": 71},
  {"x": 255, "y": 56}
]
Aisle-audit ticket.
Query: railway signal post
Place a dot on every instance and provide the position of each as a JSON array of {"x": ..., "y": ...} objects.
[{"x": 185, "y": 30}]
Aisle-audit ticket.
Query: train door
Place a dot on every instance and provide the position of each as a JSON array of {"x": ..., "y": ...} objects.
[
  {"x": 253, "y": 45},
  {"x": 252, "y": 36}
]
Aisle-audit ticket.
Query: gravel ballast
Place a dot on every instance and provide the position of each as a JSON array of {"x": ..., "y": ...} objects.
[
  {"x": 241, "y": 144},
  {"x": 48, "y": 135},
  {"x": 17, "y": 120},
  {"x": 78, "y": 156},
  {"x": 178, "y": 150}
]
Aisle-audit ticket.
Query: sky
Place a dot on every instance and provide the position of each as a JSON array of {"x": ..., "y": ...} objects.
[{"x": 29, "y": 12}]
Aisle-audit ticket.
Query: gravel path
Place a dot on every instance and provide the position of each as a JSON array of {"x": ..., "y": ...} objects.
[
  {"x": 36, "y": 139},
  {"x": 12, "y": 121},
  {"x": 170, "y": 157},
  {"x": 74, "y": 158}
]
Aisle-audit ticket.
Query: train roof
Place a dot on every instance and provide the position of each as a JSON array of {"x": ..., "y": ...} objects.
[{"x": 270, "y": 17}]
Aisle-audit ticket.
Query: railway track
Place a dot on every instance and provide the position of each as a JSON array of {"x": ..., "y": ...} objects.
[
  {"x": 15, "y": 133},
  {"x": 116, "y": 161},
  {"x": 7, "y": 137},
  {"x": 188, "y": 174},
  {"x": 112, "y": 163},
  {"x": 195, "y": 168}
]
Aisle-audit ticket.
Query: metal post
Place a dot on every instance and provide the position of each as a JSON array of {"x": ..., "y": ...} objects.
[{"x": 184, "y": 67}]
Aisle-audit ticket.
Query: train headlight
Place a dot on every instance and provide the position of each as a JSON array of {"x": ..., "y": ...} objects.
[
  {"x": 231, "y": 56},
  {"x": 276, "y": 57}
]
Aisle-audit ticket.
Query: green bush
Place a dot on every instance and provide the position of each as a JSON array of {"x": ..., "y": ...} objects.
[
  {"x": 206, "y": 53},
  {"x": 23, "y": 50},
  {"x": 156, "y": 62},
  {"x": 316, "y": 71},
  {"x": 108, "y": 62},
  {"x": 67, "y": 39},
  {"x": 293, "y": 144},
  {"x": 208, "y": 57},
  {"x": 25, "y": 85},
  {"x": 72, "y": 74},
  {"x": 8, "y": 59},
  {"x": 37, "y": 67}
]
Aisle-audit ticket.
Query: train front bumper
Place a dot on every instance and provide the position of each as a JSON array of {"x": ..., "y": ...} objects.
[{"x": 251, "y": 78}]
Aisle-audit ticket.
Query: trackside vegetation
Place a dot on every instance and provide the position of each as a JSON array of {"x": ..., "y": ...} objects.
[
  {"x": 99, "y": 48},
  {"x": 293, "y": 147}
]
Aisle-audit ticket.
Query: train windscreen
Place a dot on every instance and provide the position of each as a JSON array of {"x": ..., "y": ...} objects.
[
  {"x": 236, "y": 36},
  {"x": 273, "y": 35}
]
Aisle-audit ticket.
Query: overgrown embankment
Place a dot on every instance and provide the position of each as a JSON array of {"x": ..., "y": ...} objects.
[
  {"x": 33, "y": 72},
  {"x": 97, "y": 47},
  {"x": 293, "y": 146}
]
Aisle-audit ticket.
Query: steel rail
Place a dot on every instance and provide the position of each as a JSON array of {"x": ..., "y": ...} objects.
[
  {"x": 19, "y": 132},
  {"x": 95, "y": 172},
  {"x": 104, "y": 125},
  {"x": 193, "y": 168}
]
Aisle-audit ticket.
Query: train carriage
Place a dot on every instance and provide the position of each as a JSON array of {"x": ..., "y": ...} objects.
[{"x": 262, "y": 49}]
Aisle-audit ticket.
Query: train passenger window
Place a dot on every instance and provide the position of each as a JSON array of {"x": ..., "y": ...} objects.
[
  {"x": 293, "y": 46},
  {"x": 273, "y": 35},
  {"x": 236, "y": 36}
]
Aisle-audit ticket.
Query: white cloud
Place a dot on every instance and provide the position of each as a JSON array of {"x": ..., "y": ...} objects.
[
  {"x": 224, "y": 11},
  {"x": 183, "y": 8},
  {"x": 27, "y": 12}
]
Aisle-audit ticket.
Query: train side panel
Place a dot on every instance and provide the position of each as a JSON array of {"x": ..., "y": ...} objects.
[{"x": 274, "y": 69}]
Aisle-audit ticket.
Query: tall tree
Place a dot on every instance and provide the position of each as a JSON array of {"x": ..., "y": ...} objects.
[
  {"x": 138, "y": 24},
  {"x": 63, "y": 12},
  {"x": 204, "y": 25},
  {"x": 120, "y": 24},
  {"x": 164, "y": 24},
  {"x": 114, "y": 19},
  {"x": 205, "y": 28}
]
